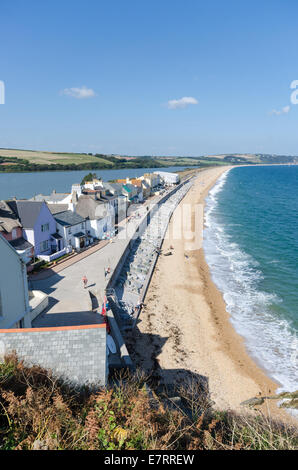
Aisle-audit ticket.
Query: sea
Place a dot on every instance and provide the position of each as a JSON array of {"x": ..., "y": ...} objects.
[{"x": 251, "y": 247}]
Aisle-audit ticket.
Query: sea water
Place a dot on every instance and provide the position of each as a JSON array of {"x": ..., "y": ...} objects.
[{"x": 251, "y": 247}]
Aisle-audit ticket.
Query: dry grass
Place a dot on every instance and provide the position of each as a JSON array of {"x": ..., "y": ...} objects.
[{"x": 39, "y": 412}]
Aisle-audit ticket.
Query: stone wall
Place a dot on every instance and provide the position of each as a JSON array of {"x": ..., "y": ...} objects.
[{"x": 76, "y": 354}]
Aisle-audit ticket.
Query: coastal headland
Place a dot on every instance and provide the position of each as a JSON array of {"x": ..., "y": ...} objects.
[{"x": 184, "y": 329}]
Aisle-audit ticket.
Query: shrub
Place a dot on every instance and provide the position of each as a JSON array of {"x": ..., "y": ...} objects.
[{"x": 37, "y": 411}]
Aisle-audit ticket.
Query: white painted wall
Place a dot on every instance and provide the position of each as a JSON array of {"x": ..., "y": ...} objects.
[
  {"x": 13, "y": 288},
  {"x": 29, "y": 236},
  {"x": 69, "y": 238},
  {"x": 96, "y": 227}
]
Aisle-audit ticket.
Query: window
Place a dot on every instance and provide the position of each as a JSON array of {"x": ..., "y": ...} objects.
[
  {"x": 44, "y": 246},
  {"x": 82, "y": 225},
  {"x": 1, "y": 311},
  {"x": 45, "y": 228},
  {"x": 69, "y": 230}
]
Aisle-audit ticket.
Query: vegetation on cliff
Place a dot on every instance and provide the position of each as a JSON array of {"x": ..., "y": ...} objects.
[{"x": 39, "y": 412}]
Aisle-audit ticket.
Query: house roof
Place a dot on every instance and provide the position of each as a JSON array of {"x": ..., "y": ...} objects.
[
  {"x": 136, "y": 182},
  {"x": 26, "y": 211},
  {"x": 122, "y": 181},
  {"x": 20, "y": 244},
  {"x": 57, "y": 208},
  {"x": 108, "y": 197},
  {"x": 39, "y": 198},
  {"x": 113, "y": 187},
  {"x": 56, "y": 235},
  {"x": 79, "y": 235},
  {"x": 8, "y": 219},
  {"x": 145, "y": 183},
  {"x": 87, "y": 207},
  {"x": 68, "y": 218},
  {"x": 53, "y": 197},
  {"x": 127, "y": 188}
]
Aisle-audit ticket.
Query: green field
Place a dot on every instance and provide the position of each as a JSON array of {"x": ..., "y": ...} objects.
[
  {"x": 17, "y": 160},
  {"x": 48, "y": 158}
]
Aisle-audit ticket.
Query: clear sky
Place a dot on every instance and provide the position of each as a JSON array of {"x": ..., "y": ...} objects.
[{"x": 149, "y": 77}]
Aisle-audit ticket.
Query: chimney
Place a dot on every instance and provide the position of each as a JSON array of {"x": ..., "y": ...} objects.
[{"x": 74, "y": 201}]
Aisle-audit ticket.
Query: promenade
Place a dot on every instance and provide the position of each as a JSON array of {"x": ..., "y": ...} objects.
[{"x": 69, "y": 303}]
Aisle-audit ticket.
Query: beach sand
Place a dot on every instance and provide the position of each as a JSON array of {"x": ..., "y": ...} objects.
[{"x": 184, "y": 329}]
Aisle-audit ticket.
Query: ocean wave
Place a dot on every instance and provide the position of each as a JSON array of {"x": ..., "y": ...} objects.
[{"x": 269, "y": 339}]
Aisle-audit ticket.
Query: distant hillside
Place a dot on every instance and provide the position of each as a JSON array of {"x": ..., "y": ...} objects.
[
  {"x": 17, "y": 160},
  {"x": 255, "y": 158}
]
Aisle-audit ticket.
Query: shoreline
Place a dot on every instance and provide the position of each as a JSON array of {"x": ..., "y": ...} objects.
[{"x": 186, "y": 330}]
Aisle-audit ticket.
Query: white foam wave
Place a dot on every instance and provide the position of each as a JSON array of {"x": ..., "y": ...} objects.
[{"x": 269, "y": 339}]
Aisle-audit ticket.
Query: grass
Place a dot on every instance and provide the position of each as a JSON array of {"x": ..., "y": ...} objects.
[
  {"x": 56, "y": 158},
  {"x": 49, "y": 157},
  {"x": 39, "y": 412},
  {"x": 52, "y": 158}
]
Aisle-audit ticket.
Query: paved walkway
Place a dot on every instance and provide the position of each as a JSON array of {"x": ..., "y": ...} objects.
[
  {"x": 44, "y": 274},
  {"x": 69, "y": 302}
]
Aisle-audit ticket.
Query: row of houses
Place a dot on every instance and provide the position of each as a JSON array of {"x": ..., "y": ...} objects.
[{"x": 47, "y": 227}]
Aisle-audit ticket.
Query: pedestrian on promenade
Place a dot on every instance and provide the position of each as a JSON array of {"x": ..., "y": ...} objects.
[{"x": 85, "y": 280}]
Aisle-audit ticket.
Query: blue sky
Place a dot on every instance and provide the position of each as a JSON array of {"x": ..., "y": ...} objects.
[{"x": 234, "y": 61}]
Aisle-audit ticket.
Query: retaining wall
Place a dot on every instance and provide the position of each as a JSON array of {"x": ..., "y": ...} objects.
[
  {"x": 77, "y": 354},
  {"x": 154, "y": 261},
  {"x": 117, "y": 270},
  {"x": 138, "y": 232}
]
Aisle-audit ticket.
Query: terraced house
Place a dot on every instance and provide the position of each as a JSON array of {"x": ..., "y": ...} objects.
[
  {"x": 72, "y": 228},
  {"x": 11, "y": 229},
  {"x": 99, "y": 215},
  {"x": 39, "y": 226}
]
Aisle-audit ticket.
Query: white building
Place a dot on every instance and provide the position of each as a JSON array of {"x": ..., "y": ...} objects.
[
  {"x": 153, "y": 179},
  {"x": 94, "y": 184},
  {"x": 99, "y": 215},
  {"x": 168, "y": 178},
  {"x": 14, "y": 296},
  {"x": 72, "y": 227}
]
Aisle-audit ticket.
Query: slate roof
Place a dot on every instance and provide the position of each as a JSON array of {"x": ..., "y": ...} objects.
[
  {"x": 8, "y": 219},
  {"x": 56, "y": 235},
  {"x": 127, "y": 188},
  {"x": 79, "y": 235},
  {"x": 113, "y": 187},
  {"x": 53, "y": 197},
  {"x": 87, "y": 208},
  {"x": 56, "y": 208},
  {"x": 20, "y": 244},
  {"x": 39, "y": 198},
  {"x": 26, "y": 211},
  {"x": 68, "y": 218}
]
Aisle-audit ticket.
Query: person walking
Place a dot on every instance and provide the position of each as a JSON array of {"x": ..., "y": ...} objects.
[{"x": 85, "y": 280}]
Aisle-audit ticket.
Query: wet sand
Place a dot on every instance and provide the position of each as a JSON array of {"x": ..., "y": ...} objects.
[{"x": 184, "y": 329}]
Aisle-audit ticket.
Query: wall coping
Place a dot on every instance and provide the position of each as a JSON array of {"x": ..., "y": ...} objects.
[{"x": 55, "y": 328}]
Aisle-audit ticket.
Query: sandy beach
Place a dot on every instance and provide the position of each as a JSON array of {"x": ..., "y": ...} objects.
[{"x": 184, "y": 329}]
